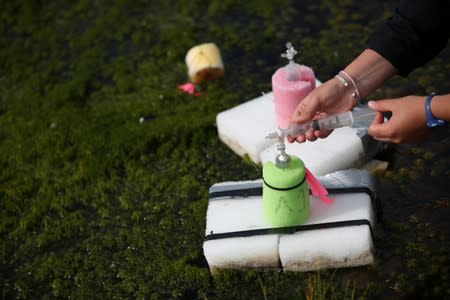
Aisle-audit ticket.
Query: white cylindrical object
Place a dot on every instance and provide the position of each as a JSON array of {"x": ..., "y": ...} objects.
[{"x": 204, "y": 63}]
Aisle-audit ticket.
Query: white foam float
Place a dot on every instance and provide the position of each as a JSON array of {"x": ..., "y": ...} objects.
[
  {"x": 243, "y": 128},
  {"x": 336, "y": 235}
]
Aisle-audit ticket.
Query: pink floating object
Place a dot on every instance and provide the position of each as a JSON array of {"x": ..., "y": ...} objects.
[
  {"x": 317, "y": 189},
  {"x": 288, "y": 94},
  {"x": 189, "y": 88}
]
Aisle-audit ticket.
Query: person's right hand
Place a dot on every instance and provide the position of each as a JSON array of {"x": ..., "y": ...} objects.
[
  {"x": 329, "y": 98},
  {"x": 408, "y": 123}
]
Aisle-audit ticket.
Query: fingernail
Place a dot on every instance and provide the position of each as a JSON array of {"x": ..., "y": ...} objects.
[{"x": 371, "y": 103}]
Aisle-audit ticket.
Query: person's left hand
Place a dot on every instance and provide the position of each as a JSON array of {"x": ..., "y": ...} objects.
[{"x": 408, "y": 123}]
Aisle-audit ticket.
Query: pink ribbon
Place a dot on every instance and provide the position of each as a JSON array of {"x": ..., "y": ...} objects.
[
  {"x": 189, "y": 88},
  {"x": 317, "y": 189}
]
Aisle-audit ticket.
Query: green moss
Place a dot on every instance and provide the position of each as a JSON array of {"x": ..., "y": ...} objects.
[{"x": 95, "y": 204}]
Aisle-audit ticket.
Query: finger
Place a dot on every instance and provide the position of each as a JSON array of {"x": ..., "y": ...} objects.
[
  {"x": 380, "y": 105},
  {"x": 385, "y": 140},
  {"x": 380, "y": 130},
  {"x": 310, "y": 136},
  {"x": 300, "y": 139},
  {"x": 321, "y": 134},
  {"x": 305, "y": 111},
  {"x": 379, "y": 118},
  {"x": 290, "y": 139}
]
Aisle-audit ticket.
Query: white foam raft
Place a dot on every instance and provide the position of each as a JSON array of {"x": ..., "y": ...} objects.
[
  {"x": 336, "y": 235},
  {"x": 243, "y": 128}
]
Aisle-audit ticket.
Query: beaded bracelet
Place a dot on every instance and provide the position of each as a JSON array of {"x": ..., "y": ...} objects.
[{"x": 345, "y": 78}]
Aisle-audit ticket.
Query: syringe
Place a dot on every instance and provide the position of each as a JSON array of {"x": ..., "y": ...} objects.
[{"x": 327, "y": 123}]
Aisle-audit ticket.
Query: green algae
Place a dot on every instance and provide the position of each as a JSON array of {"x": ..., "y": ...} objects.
[{"x": 95, "y": 204}]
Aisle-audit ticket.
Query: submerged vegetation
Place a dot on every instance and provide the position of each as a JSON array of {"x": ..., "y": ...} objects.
[{"x": 95, "y": 204}]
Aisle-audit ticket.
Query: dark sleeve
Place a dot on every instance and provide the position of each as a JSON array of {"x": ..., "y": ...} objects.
[{"x": 417, "y": 32}]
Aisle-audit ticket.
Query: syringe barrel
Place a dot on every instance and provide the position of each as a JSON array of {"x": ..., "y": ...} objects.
[
  {"x": 327, "y": 123},
  {"x": 335, "y": 121},
  {"x": 298, "y": 129}
]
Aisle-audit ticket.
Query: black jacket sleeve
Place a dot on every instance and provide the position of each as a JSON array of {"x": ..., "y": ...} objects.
[{"x": 417, "y": 32}]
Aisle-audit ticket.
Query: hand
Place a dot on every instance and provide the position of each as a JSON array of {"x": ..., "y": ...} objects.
[
  {"x": 408, "y": 123},
  {"x": 330, "y": 98}
]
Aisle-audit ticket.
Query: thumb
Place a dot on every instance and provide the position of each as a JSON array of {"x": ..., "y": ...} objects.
[
  {"x": 305, "y": 111},
  {"x": 378, "y": 127}
]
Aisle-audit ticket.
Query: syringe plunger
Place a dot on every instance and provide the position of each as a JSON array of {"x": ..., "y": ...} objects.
[{"x": 327, "y": 123}]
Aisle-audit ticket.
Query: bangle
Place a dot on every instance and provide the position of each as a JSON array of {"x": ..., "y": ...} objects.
[
  {"x": 355, "y": 94},
  {"x": 346, "y": 79}
]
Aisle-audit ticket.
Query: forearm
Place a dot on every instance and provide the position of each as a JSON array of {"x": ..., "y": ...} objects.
[
  {"x": 440, "y": 107},
  {"x": 369, "y": 71},
  {"x": 415, "y": 33}
]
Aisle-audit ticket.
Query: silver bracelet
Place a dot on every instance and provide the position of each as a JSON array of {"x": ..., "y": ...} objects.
[{"x": 346, "y": 79}]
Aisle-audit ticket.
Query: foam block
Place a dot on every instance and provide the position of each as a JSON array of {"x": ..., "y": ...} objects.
[
  {"x": 238, "y": 237},
  {"x": 342, "y": 149},
  {"x": 259, "y": 253},
  {"x": 243, "y": 128},
  {"x": 332, "y": 247},
  {"x": 255, "y": 252}
]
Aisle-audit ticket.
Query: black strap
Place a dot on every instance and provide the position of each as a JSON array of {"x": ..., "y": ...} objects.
[
  {"x": 257, "y": 191},
  {"x": 288, "y": 230},
  {"x": 285, "y": 189},
  {"x": 245, "y": 192}
]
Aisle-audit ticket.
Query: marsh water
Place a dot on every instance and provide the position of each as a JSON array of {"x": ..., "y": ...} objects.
[{"x": 95, "y": 204}]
